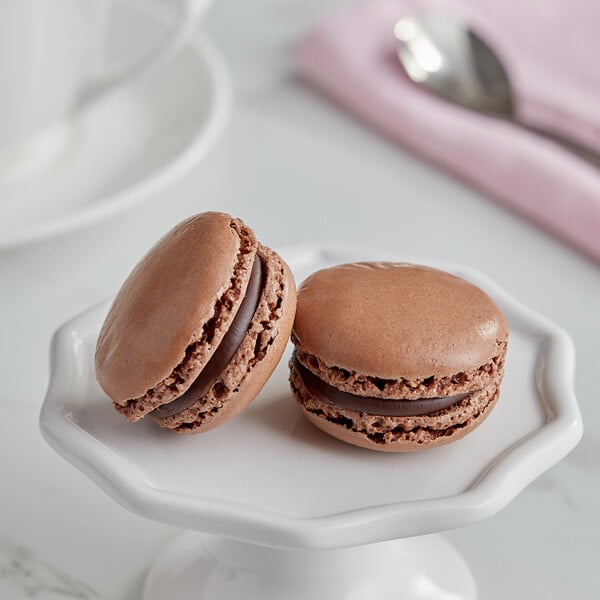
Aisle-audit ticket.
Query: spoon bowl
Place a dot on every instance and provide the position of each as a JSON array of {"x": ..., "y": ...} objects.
[{"x": 454, "y": 62}]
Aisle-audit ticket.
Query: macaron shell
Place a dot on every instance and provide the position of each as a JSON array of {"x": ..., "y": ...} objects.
[
  {"x": 245, "y": 376},
  {"x": 396, "y": 434},
  {"x": 358, "y": 439},
  {"x": 392, "y": 320},
  {"x": 166, "y": 302}
]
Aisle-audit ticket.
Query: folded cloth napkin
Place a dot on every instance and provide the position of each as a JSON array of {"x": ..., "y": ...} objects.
[{"x": 551, "y": 51}]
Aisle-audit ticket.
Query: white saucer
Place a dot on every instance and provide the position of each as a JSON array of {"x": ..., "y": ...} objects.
[
  {"x": 128, "y": 144},
  {"x": 269, "y": 477}
]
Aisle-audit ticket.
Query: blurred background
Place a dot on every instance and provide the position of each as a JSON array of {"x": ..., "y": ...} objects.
[{"x": 266, "y": 110}]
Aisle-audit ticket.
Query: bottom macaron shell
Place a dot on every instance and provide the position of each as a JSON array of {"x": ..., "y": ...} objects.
[
  {"x": 255, "y": 359},
  {"x": 397, "y": 434}
]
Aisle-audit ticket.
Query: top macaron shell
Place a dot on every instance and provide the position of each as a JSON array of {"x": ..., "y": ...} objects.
[
  {"x": 167, "y": 299},
  {"x": 391, "y": 320}
]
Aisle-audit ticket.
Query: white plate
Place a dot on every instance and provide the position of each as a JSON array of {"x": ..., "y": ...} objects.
[
  {"x": 128, "y": 144},
  {"x": 271, "y": 478}
]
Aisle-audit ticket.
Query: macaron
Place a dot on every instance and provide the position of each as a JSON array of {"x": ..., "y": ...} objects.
[
  {"x": 198, "y": 326},
  {"x": 396, "y": 357}
]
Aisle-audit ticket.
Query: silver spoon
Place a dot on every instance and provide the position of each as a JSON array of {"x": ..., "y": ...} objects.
[{"x": 452, "y": 61}]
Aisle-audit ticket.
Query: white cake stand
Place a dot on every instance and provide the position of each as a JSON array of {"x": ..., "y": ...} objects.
[{"x": 286, "y": 511}]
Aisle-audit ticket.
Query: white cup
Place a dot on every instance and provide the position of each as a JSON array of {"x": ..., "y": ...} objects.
[{"x": 49, "y": 68}]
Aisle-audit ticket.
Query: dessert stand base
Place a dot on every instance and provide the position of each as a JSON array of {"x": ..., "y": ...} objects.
[
  {"x": 308, "y": 496},
  {"x": 196, "y": 566}
]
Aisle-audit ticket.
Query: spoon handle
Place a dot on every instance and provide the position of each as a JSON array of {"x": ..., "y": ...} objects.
[{"x": 568, "y": 143}]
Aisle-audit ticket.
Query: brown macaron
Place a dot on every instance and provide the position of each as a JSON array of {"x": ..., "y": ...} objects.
[
  {"x": 394, "y": 356},
  {"x": 198, "y": 326}
]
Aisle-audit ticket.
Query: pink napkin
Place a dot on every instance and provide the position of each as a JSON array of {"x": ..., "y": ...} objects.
[{"x": 552, "y": 54}]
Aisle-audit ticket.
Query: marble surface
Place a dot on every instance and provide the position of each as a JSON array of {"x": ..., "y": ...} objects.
[{"x": 298, "y": 170}]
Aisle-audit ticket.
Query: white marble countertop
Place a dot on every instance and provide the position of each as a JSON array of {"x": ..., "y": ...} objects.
[{"x": 297, "y": 170}]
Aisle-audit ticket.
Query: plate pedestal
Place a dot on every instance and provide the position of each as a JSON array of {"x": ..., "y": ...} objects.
[{"x": 202, "y": 567}]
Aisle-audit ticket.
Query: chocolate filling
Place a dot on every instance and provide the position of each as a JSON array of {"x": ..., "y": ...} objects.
[
  {"x": 225, "y": 351},
  {"x": 369, "y": 404}
]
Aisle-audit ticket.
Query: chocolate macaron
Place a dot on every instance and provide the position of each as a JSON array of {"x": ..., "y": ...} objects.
[
  {"x": 198, "y": 326},
  {"x": 394, "y": 356}
]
